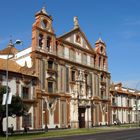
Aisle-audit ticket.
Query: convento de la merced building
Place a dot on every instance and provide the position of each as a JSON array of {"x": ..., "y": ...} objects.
[{"x": 65, "y": 81}]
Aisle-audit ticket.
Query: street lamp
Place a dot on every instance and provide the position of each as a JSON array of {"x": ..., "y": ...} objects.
[{"x": 7, "y": 92}]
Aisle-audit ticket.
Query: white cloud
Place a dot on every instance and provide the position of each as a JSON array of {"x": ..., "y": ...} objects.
[
  {"x": 132, "y": 22},
  {"x": 135, "y": 84}
]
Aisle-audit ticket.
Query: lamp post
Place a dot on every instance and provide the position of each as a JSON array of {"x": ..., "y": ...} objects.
[{"x": 7, "y": 92}]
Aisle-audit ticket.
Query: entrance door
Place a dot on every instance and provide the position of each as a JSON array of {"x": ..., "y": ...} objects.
[{"x": 81, "y": 112}]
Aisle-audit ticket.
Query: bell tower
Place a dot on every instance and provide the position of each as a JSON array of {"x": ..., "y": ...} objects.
[
  {"x": 101, "y": 57},
  {"x": 43, "y": 37}
]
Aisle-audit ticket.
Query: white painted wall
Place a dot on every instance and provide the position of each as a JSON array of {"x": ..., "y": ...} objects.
[
  {"x": 88, "y": 60},
  {"x": 24, "y": 56},
  {"x": 5, "y": 56},
  {"x": 10, "y": 121},
  {"x": 12, "y": 85},
  {"x": 119, "y": 100},
  {"x": 23, "y": 52},
  {"x": 24, "y": 60}
]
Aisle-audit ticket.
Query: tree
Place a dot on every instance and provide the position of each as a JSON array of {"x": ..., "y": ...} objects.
[{"x": 16, "y": 109}]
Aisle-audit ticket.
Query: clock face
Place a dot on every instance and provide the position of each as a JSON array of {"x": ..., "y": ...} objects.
[{"x": 44, "y": 24}]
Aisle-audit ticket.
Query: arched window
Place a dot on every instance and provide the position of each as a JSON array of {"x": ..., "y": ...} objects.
[
  {"x": 99, "y": 62},
  {"x": 104, "y": 63},
  {"x": 44, "y": 24},
  {"x": 102, "y": 77},
  {"x": 102, "y": 49},
  {"x": 73, "y": 75},
  {"x": 48, "y": 44},
  {"x": 94, "y": 61},
  {"x": 40, "y": 40}
]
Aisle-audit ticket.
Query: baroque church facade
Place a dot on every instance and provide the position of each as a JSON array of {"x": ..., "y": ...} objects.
[{"x": 67, "y": 77}]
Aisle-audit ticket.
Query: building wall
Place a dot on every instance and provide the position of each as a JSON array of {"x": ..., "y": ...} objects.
[
  {"x": 16, "y": 89},
  {"x": 124, "y": 104},
  {"x": 79, "y": 98}
]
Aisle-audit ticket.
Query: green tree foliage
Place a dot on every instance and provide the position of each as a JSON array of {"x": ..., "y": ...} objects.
[{"x": 16, "y": 109}]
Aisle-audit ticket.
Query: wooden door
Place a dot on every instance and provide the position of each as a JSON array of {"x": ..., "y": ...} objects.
[{"x": 81, "y": 112}]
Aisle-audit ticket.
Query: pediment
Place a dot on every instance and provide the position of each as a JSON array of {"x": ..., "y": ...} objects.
[{"x": 77, "y": 37}]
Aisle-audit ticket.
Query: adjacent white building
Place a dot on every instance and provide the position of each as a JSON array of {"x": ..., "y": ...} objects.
[{"x": 125, "y": 104}]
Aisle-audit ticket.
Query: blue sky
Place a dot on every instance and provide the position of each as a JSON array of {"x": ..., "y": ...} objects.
[{"x": 118, "y": 21}]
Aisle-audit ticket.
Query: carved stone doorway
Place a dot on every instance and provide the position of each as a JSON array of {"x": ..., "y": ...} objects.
[{"x": 81, "y": 117}]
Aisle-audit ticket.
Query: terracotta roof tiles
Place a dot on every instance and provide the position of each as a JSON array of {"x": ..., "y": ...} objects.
[
  {"x": 9, "y": 50},
  {"x": 12, "y": 66}
]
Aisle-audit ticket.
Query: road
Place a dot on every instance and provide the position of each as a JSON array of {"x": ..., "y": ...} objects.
[{"x": 133, "y": 134}]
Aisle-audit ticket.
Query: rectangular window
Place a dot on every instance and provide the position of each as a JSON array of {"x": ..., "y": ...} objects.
[
  {"x": 72, "y": 55},
  {"x": 50, "y": 87},
  {"x": 27, "y": 120},
  {"x": 61, "y": 78},
  {"x": 40, "y": 40},
  {"x": 43, "y": 74},
  {"x": 49, "y": 44},
  {"x": 84, "y": 59},
  {"x": 96, "y": 85},
  {"x": 88, "y": 60},
  {"x": 67, "y": 79},
  {"x": 50, "y": 64},
  {"x": 73, "y": 75},
  {"x": 78, "y": 57},
  {"x": 25, "y": 93},
  {"x": 113, "y": 101},
  {"x": 99, "y": 62},
  {"x": 102, "y": 94},
  {"x": 66, "y": 52},
  {"x": 61, "y": 51},
  {"x": 128, "y": 103}
]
